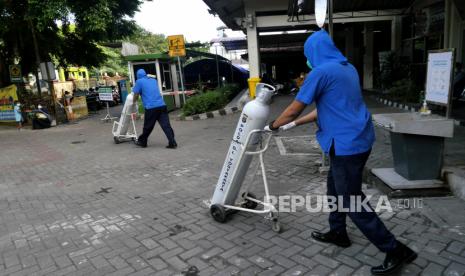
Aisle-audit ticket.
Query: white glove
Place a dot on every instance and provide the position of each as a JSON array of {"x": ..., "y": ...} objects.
[
  {"x": 288, "y": 126},
  {"x": 270, "y": 127}
]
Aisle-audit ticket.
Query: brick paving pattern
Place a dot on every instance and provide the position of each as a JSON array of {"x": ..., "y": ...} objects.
[{"x": 74, "y": 203}]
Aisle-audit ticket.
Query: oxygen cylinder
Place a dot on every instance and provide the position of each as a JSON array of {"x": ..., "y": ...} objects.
[
  {"x": 254, "y": 116},
  {"x": 125, "y": 119}
]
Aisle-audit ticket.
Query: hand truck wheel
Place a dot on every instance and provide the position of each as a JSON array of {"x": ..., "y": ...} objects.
[
  {"x": 218, "y": 213},
  {"x": 276, "y": 226},
  {"x": 117, "y": 140},
  {"x": 249, "y": 204}
]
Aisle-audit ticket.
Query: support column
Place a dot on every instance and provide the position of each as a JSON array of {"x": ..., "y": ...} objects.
[
  {"x": 368, "y": 56},
  {"x": 130, "y": 74},
  {"x": 159, "y": 78},
  {"x": 253, "y": 49},
  {"x": 174, "y": 77},
  {"x": 462, "y": 45},
  {"x": 330, "y": 18},
  {"x": 349, "y": 44},
  {"x": 447, "y": 20},
  {"x": 396, "y": 33}
]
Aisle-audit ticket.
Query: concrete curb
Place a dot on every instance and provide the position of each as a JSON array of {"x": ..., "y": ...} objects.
[
  {"x": 455, "y": 178},
  {"x": 407, "y": 107},
  {"x": 211, "y": 114}
]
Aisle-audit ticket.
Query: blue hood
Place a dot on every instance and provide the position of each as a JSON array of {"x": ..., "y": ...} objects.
[
  {"x": 141, "y": 73},
  {"x": 320, "y": 49}
]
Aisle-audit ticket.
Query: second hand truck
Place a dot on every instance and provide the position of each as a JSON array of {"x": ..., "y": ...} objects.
[{"x": 125, "y": 128}]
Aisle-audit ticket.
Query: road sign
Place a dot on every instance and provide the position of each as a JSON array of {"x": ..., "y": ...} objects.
[
  {"x": 176, "y": 45},
  {"x": 48, "y": 71},
  {"x": 15, "y": 73},
  {"x": 105, "y": 93}
]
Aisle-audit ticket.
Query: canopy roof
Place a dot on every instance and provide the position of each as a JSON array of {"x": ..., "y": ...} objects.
[
  {"x": 229, "y": 10},
  {"x": 164, "y": 55}
]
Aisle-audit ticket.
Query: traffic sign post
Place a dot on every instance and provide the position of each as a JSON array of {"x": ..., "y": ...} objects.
[
  {"x": 182, "y": 81},
  {"x": 15, "y": 73},
  {"x": 177, "y": 48}
]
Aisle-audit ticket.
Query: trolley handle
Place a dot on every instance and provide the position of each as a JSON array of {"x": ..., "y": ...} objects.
[{"x": 266, "y": 141}]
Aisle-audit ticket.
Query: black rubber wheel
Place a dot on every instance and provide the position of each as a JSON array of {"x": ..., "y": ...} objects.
[
  {"x": 218, "y": 213},
  {"x": 276, "y": 226},
  {"x": 117, "y": 140},
  {"x": 248, "y": 203}
]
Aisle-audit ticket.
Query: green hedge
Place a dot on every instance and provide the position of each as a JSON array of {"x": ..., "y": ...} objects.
[
  {"x": 405, "y": 91},
  {"x": 210, "y": 100},
  {"x": 229, "y": 90}
]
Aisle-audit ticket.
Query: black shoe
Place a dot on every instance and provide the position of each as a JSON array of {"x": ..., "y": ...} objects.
[
  {"x": 337, "y": 238},
  {"x": 394, "y": 260},
  {"x": 172, "y": 146},
  {"x": 139, "y": 144}
]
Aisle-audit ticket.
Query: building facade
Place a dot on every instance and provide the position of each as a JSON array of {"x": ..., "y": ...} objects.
[{"x": 363, "y": 30}]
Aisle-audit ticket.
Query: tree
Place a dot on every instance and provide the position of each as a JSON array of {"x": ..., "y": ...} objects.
[
  {"x": 66, "y": 30},
  {"x": 198, "y": 46},
  {"x": 114, "y": 62},
  {"x": 147, "y": 41}
]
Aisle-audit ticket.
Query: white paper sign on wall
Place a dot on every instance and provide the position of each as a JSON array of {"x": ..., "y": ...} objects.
[{"x": 438, "y": 79}]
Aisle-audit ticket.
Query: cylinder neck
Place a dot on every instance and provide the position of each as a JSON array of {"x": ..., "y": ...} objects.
[
  {"x": 264, "y": 93},
  {"x": 264, "y": 97}
]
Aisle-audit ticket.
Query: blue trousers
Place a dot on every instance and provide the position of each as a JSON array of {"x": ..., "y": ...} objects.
[
  {"x": 345, "y": 179},
  {"x": 153, "y": 115}
]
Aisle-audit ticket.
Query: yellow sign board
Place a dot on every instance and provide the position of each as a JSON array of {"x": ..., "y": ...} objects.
[
  {"x": 176, "y": 45},
  {"x": 79, "y": 106},
  {"x": 15, "y": 73},
  {"x": 8, "y": 97}
]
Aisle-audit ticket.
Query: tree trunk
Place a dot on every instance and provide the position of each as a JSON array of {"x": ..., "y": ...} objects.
[{"x": 4, "y": 73}]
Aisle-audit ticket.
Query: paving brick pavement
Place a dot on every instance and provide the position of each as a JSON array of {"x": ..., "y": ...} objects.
[{"x": 74, "y": 203}]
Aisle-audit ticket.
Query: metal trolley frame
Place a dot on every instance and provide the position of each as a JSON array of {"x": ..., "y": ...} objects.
[
  {"x": 130, "y": 135},
  {"x": 248, "y": 202}
]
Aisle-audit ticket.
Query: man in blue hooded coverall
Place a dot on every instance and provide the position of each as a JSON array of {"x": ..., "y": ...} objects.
[
  {"x": 345, "y": 133},
  {"x": 155, "y": 109}
]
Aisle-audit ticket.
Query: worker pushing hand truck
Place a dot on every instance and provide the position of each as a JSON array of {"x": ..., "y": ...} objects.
[{"x": 249, "y": 140}]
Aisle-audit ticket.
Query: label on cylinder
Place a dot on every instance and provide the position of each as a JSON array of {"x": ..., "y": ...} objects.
[{"x": 231, "y": 162}]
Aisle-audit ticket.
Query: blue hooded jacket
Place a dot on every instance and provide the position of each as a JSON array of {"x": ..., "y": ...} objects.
[
  {"x": 148, "y": 89},
  {"x": 333, "y": 84}
]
